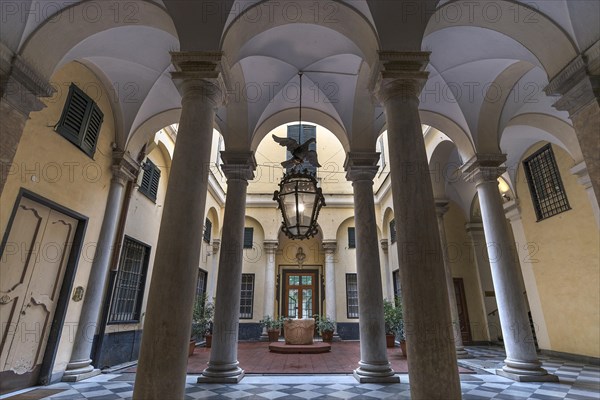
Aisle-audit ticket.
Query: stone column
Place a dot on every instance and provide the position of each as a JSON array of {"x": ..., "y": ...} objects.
[
  {"x": 330, "y": 247},
  {"x": 441, "y": 208},
  {"x": 80, "y": 367},
  {"x": 583, "y": 177},
  {"x": 167, "y": 327},
  {"x": 521, "y": 361},
  {"x": 513, "y": 214},
  {"x": 433, "y": 370},
  {"x": 492, "y": 328},
  {"x": 374, "y": 365},
  {"x": 223, "y": 366},
  {"x": 577, "y": 85},
  {"x": 212, "y": 280},
  {"x": 389, "y": 279},
  {"x": 20, "y": 90},
  {"x": 270, "y": 247}
]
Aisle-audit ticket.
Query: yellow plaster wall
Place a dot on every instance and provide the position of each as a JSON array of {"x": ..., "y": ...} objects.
[
  {"x": 460, "y": 256},
  {"x": 566, "y": 263},
  {"x": 50, "y": 166}
]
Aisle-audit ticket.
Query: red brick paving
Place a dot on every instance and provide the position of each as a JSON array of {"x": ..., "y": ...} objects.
[{"x": 255, "y": 358}]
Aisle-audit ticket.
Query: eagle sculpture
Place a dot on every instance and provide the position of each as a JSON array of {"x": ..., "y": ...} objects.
[{"x": 300, "y": 152}]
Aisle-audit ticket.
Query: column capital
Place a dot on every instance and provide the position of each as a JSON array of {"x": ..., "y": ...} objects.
[
  {"x": 583, "y": 176},
  {"x": 201, "y": 74},
  {"x": 330, "y": 246},
  {"x": 270, "y": 246},
  {"x": 384, "y": 245},
  {"x": 361, "y": 166},
  {"x": 578, "y": 83},
  {"x": 238, "y": 165},
  {"x": 216, "y": 244},
  {"x": 20, "y": 84},
  {"x": 124, "y": 167},
  {"x": 483, "y": 168},
  {"x": 512, "y": 210},
  {"x": 441, "y": 207},
  {"x": 399, "y": 74}
]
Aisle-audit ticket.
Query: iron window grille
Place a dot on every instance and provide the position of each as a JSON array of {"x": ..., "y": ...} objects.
[
  {"x": 150, "y": 180},
  {"x": 352, "y": 295},
  {"x": 81, "y": 121},
  {"x": 247, "y": 296},
  {"x": 351, "y": 238},
  {"x": 545, "y": 184},
  {"x": 130, "y": 281}
]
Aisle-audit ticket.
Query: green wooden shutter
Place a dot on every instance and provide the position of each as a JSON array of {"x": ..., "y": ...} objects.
[
  {"x": 351, "y": 238},
  {"x": 248, "y": 238}
]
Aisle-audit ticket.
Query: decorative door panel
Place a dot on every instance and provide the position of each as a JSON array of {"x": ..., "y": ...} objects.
[{"x": 31, "y": 282}]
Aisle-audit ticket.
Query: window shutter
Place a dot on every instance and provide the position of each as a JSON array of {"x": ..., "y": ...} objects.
[
  {"x": 150, "y": 180},
  {"x": 154, "y": 182},
  {"x": 81, "y": 121},
  {"x": 351, "y": 238},
  {"x": 393, "y": 231},
  {"x": 207, "y": 230},
  {"x": 248, "y": 238}
]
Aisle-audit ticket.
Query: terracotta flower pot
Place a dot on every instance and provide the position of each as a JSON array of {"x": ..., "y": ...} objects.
[
  {"x": 273, "y": 335},
  {"x": 327, "y": 336},
  {"x": 208, "y": 340},
  {"x": 403, "y": 347},
  {"x": 390, "y": 340},
  {"x": 192, "y": 347}
]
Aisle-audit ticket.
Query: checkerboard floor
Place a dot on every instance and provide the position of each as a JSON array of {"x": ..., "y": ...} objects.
[{"x": 577, "y": 382}]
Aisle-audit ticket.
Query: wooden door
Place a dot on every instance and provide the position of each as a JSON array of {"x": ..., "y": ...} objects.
[
  {"x": 463, "y": 313},
  {"x": 32, "y": 268},
  {"x": 300, "y": 295}
]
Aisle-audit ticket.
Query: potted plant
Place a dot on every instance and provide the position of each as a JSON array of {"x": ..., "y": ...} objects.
[
  {"x": 202, "y": 320},
  {"x": 393, "y": 321},
  {"x": 273, "y": 327},
  {"x": 326, "y": 327}
]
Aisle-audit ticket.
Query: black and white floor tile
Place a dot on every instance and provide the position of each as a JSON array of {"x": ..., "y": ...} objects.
[{"x": 577, "y": 382}]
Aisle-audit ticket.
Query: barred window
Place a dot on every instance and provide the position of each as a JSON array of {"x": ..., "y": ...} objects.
[
  {"x": 545, "y": 185},
  {"x": 150, "y": 179},
  {"x": 248, "y": 238},
  {"x": 247, "y": 297},
  {"x": 351, "y": 238},
  {"x": 80, "y": 121},
  {"x": 130, "y": 281},
  {"x": 393, "y": 231},
  {"x": 352, "y": 295},
  {"x": 207, "y": 230},
  {"x": 201, "y": 284}
]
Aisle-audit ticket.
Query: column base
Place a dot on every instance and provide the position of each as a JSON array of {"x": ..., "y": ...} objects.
[
  {"x": 70, "y": 377},
  {"x": 263, "y": 337},
  {"x": 222, "y": 373},
  {"x": 375, "y": 373},
  {"x": 461, "y": 353},
  {"x": 525, "y": 371}
]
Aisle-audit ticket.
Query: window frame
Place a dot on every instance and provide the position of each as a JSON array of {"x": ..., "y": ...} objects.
[
  {"x": 141, "y": 285},
  {"x": 207, "y": 234},
  {"x": 546, "y": 181},
  {"x": 393, "y": 232},
  {"x": 351, "y": 237},
  {"x": 251, "y": 297},
  {"x": 250, "y": 244},
  {"x": 350, "y": 315}
]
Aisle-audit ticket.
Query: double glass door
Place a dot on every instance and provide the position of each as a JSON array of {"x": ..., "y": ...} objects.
[{"x": 300, "y": 296}]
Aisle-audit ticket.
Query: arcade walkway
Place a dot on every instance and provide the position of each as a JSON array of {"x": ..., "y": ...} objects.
[{"x": 577, "y": 381}]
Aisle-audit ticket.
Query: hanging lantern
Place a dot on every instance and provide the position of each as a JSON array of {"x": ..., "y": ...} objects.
[{"x": 300, "y": 200}]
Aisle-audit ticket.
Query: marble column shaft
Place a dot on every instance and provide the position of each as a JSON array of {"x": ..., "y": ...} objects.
[
  {"x": 79, "y": 367},
  {"x": 330, "y": 247},
  {"x": 521, "y": 359},
  {"x": 163, "y": 358},
  {"x": 223, "y": 365},
  {"x": 441, "y": 207},
  {"x": 431, "y": 355},
  {"x": 270, "y": 248},
  {"x": 374, "y": 365}
]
